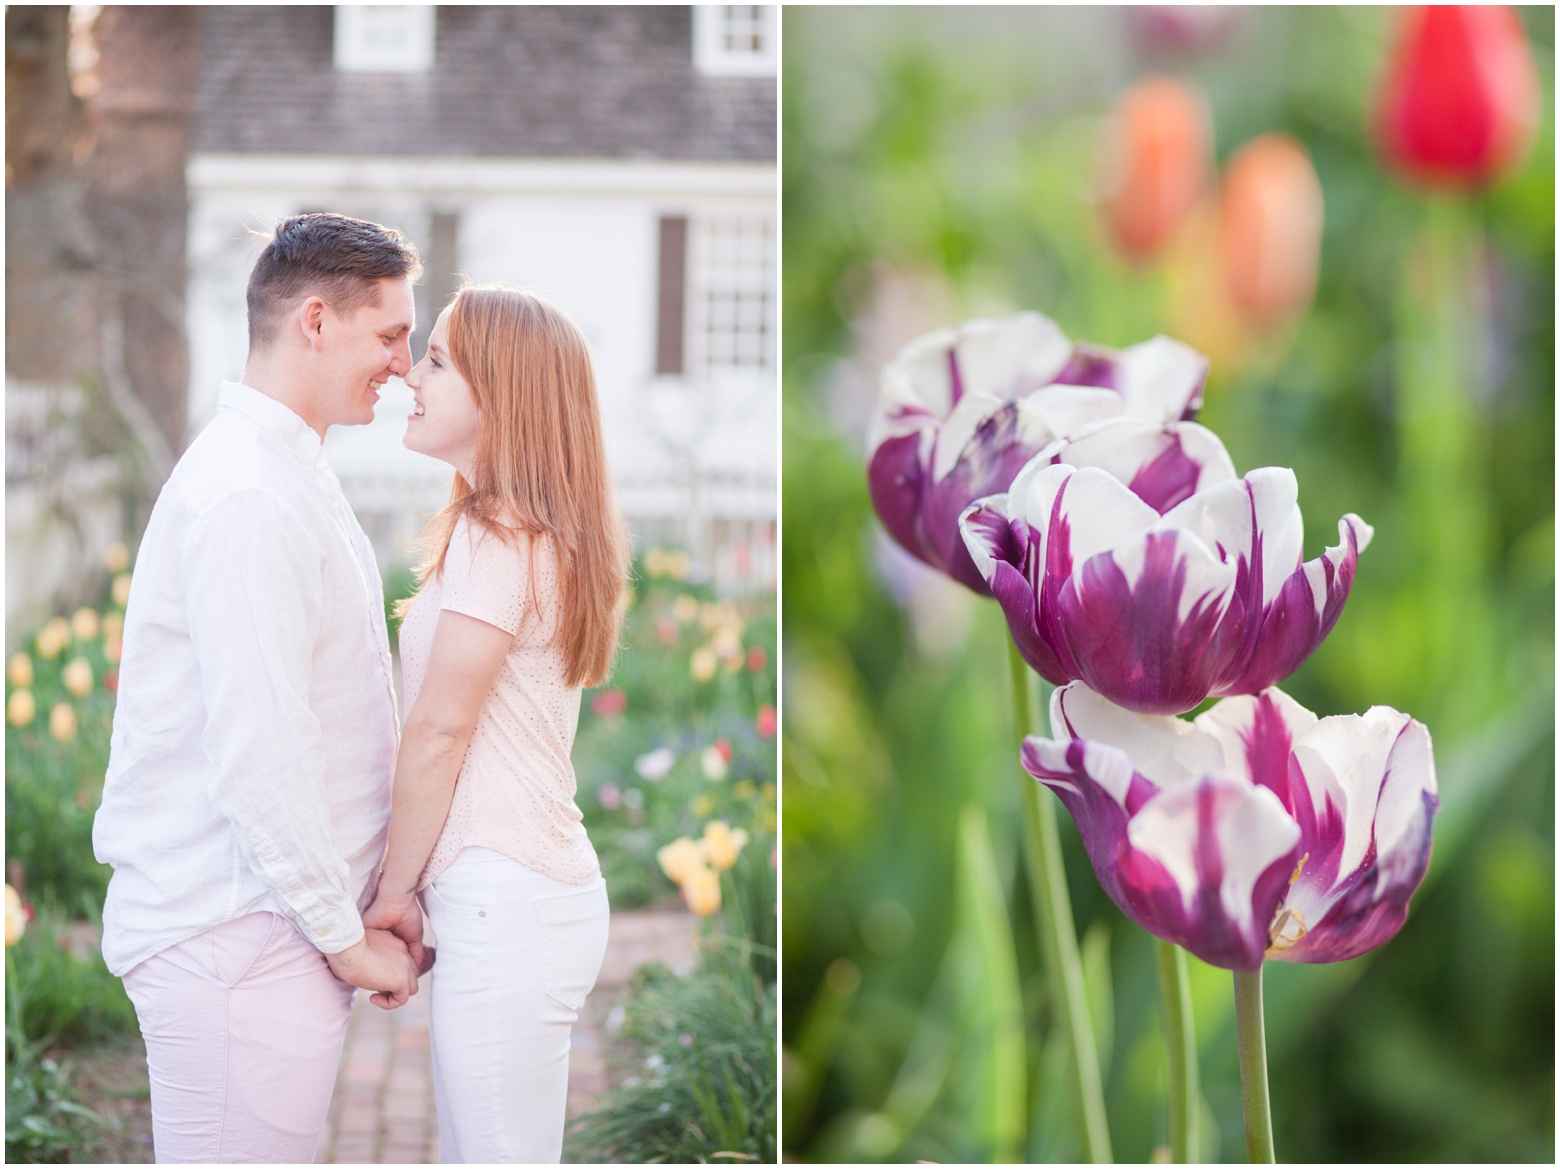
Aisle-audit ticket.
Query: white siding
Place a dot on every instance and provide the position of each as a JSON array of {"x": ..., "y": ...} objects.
[{"x": 699, "y": 452}]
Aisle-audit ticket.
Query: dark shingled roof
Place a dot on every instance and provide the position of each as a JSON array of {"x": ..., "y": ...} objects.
[{"x": 554, "y": 82}]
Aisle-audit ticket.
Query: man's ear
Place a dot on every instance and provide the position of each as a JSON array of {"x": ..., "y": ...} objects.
[{"x": 310, "y": 320}]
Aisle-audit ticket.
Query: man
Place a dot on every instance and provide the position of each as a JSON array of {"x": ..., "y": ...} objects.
[{"x": 248, "y": 787}]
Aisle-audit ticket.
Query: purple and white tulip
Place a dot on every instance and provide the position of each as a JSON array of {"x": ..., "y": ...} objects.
[
  {"x": 1257, "y": 830},
  {"x": 962, "y": 410},
  {"x": 1132, "y": 558}
]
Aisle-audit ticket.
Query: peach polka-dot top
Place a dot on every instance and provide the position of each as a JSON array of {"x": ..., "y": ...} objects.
[{"x": 515, "y": 792}]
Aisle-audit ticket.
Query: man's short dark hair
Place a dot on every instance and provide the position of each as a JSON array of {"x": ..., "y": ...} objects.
[{"x": 334, "y": 257}]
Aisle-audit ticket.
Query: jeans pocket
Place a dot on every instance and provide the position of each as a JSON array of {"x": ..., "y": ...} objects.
[
  {"x": 463, "y": 893},
  {"x": 573, "y": 929},
  {"x": 237, "y": 946}
]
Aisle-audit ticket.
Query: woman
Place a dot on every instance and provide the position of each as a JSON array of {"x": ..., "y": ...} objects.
[{"x": 518, "y": 609}]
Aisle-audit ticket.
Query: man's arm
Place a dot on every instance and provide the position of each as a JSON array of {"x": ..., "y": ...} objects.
[{"x": 253, "y": 579}]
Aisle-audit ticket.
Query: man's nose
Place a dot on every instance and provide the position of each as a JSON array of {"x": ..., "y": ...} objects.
[{"x": 401, "y": 358}]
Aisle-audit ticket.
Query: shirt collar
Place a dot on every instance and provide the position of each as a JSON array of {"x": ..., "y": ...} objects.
[{"x": 270, "y": 415}]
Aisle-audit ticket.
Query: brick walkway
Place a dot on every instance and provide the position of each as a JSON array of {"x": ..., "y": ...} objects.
[{"x": 383, "y": 1113}]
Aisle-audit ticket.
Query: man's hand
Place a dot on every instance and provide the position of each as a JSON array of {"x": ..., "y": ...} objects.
[
  {"x": 403, "y": 917},
  {"x": 380, "y": 963}
]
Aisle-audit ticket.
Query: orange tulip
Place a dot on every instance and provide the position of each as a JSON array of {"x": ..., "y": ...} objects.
[
  {"x": 1271, "y": 229},
  {"x": 1156, "y": 165}
]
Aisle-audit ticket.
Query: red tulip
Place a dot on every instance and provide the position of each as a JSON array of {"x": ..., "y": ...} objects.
[
  {"x": 767, "y": 721},
  {"x": 1270, "y": 223},
  {"x": 1460, "y": 101},
  {"x": 1156, "y": 165},
  {"x": 757, "y": 659},
  {"x": 608, "y": 702}
]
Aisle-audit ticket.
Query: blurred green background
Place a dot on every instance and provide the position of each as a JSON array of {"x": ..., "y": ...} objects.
[{"x": 937, "y": 166}]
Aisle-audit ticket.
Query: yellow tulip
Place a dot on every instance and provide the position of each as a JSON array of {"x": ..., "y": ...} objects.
[
  {"x": 78, "y": 677},
  {"x": 678, "y": 565},
  {"x": 701, "y": 805},
  {"x": 21, "y": 709},
  {"x": 62, "y": 722},
  {"x": 15, "y": 917},
  {"x": 117, "y": 558},
  {"x": 723, "y": 844},
  {"x": 702, "y": 892},
  {"x": 113, "y": 626},
  {"x": 121, "y": 589},
  {"x": 680, "y": 858},
  {"x": 685, "y": 609},
  {"x": 19, "y": 670},
  {"x": 84, "y": 624},
  {"x": 703, "y": 664},
  {"x": 53, "y": 637}
]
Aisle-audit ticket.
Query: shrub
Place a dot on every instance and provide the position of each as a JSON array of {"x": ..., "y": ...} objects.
[
  {"x": 55, "y": 996},
  {"x": 708, "y": 1093}
]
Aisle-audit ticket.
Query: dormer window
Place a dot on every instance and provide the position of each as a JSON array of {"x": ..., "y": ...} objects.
[
  {"x": 384, "y": 38},
  {"x": 735, "y": 40}
]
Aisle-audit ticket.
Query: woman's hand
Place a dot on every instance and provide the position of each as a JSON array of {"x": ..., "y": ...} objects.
[
  {"x": 380, "y": 963},
  {"x": 402, "y": 916}
]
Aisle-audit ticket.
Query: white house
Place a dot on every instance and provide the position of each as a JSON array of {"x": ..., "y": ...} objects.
[{"x": 620, "y": 161}]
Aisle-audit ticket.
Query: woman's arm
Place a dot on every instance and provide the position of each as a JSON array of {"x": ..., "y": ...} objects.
[{"x": 462, "y": 665}]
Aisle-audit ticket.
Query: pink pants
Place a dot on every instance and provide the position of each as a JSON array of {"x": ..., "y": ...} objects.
[{"x": 243, "y": 1027}]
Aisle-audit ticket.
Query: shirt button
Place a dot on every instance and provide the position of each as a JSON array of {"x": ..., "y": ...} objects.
[
  {"x": 335, "y": 498},
  {"x": 481, "y": 913}
]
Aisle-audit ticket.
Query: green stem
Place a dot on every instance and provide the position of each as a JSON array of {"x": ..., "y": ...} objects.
[
  {"x": 1181, "y": 1043},
  {"x": 1253, "y": 1067},
  {"x": 1058, "y": 937}
]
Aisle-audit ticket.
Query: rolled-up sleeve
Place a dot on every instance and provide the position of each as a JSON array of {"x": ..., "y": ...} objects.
[{"x": 252, "y": 575}]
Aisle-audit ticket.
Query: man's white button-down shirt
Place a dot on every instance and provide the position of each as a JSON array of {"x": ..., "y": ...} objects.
[{"x": 255, "y": 735}]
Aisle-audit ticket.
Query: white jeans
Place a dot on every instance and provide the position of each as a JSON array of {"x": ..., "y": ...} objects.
[{"x": 518, "y": 953}]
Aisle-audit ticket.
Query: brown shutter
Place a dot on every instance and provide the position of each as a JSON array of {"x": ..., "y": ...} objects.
[
  {"x": 443, "y": 250},
  {"x": 670, "y": 299},
  {"x": 439, "y": 280}
]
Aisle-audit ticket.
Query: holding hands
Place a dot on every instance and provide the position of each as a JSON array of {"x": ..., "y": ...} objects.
[
  {"x": 382, "y": 963},
  {"x": 402, "y": 917}
]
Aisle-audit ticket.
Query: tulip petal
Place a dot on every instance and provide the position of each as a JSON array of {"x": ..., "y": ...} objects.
[
  {"x": 1357, "y": 897},
  {"x": 986, "y": 462},
  {"x": 1146, "y": 621},
  {"x": 1064, "y": 516},
  {"x": 1229, "y": 847},
  {"x": 1307, "y": 606},
  {"x": 896, "y": 481},
  {"x": 1199, "y": 865},
  {"x": 1161, "y": 380},
  {"x": 1162, "y": 465},
  {"x": 981, "y": 447},
  {"x": 1007, "y": 555},
  {"x": 1257, "y": 734},
  {"x": 1003, "y": 358},
  {"x": 1169, "y": 752}
]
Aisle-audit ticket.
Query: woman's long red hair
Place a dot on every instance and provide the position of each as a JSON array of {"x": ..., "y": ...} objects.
[{"x": 540, "y": 465}]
